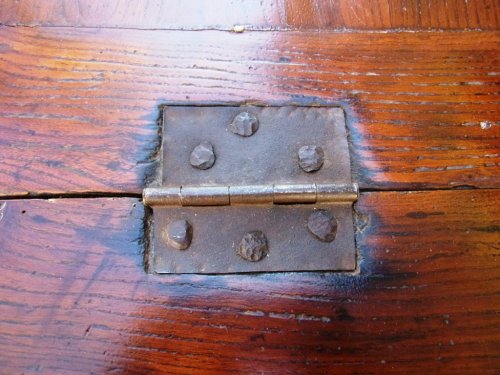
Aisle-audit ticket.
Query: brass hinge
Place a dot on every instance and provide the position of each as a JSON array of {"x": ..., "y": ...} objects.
[{"x": 252, "y": 189}]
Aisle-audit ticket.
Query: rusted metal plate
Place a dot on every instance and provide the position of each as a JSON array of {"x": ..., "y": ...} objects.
[
  {"x": 240, "y": 192},
  {"x": 218, "y": 231},
  {"x": 267, "y": 157}
]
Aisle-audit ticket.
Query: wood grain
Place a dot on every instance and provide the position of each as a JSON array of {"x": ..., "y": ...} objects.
[
  {"x": 256, "y": 14},
  {"x": 78, "y": 107},
  {"x": 80, "y": 98},
  {"x": 74, "y": 297},
  {"x": 393, "y": 14},
  {"x": 145, "y": 14}
]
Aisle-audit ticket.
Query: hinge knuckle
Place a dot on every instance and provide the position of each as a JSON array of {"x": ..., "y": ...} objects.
[
  {"x": 162, "y": 196},
  {"x": 336, "y": 193},
  {"x": 250, "y": 194},
  {"x": 294, "y": 193},
  {"x": 204, "y": 195}
]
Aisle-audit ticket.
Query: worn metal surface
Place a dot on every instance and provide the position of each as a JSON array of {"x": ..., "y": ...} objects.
[
  {"x": 217, "y": 233},
  {"x": 267, "y": 157},
  {"x": 251, "y": 188}
]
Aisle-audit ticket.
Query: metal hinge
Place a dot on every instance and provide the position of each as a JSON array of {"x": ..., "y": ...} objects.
[
  {"x": 252, "y": 189},
  {"x": 250, "y": 194}
]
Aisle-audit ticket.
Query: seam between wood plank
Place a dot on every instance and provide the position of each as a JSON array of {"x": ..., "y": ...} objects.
[
  {"x": 96, "y": 195},
  {"x": 249, "y": 28}
]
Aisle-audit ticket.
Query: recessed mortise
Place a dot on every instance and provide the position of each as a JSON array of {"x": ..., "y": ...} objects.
[{"x": 267, "y": 189}]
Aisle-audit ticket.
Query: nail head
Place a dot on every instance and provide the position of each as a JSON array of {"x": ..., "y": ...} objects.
[
  {"x": 253, "y": 246},
  {"x": 311, "y": 158},
  {"x": 179, "y": 234},
  {"x": 244, "y": 124},
  {"x": 203, "y": 156},
  {"x": 322, "y": 225}
]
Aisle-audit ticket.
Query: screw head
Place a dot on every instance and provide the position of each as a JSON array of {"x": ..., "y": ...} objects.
[
  {"x": 253, "y": 246},
  {"x": 322, "y": 225},
  {"x": 203, "y": 156},
  {"x": 244, "y": 124},
  {"x": 311, "y": 158},
  {"x": 179, "y": 234}
]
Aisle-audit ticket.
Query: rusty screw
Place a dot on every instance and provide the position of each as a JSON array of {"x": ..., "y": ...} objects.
[
  {"x": 322, "y": 225},
  {"x": 203, "y": 156},
  {"x": 311, "y": 158},
  {"x": 253, "y": 246},
  {"x": 179, "y": 234},
  {"x": 244, "y": 124}
]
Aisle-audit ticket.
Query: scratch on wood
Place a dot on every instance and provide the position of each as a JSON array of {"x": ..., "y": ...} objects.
[
  {"x": 2, "y": 209},
  {"x": 300, "y": 317},
  {"x": 87, "y": 331}
]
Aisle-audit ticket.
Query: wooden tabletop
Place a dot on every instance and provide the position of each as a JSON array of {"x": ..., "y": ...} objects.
[{"x": 81, "y": 87}]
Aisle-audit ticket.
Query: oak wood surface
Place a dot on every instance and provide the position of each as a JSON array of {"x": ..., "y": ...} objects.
[
  {"x": 75, "y": 298},
  {"x": 256, "y": 14},
  {"x": 146, "y": 14},
  {"x": 393, "y": 14},
  {"x": 78, "y": 107},
  {"x": 80, "y": 96}
]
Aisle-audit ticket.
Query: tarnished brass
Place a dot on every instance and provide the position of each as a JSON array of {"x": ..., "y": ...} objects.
[
  {"x": 249, "y": 194},
  {"x": 205, "y": 195},
  {"x": 294, "y": 193},
  {"x": 256, "y": 186}
]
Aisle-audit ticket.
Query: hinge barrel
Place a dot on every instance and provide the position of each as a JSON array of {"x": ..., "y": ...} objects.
[{"x": 250, "y": 194}]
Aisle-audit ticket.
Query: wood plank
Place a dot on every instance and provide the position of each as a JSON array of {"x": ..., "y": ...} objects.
[
  {"x": 257, "y": 14},
  {"x": 78, "y": 107},
  {"x": 393, "y": 14},
  {"x": 145, "y": 14},
  {"x": 74, "y": 297}
]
